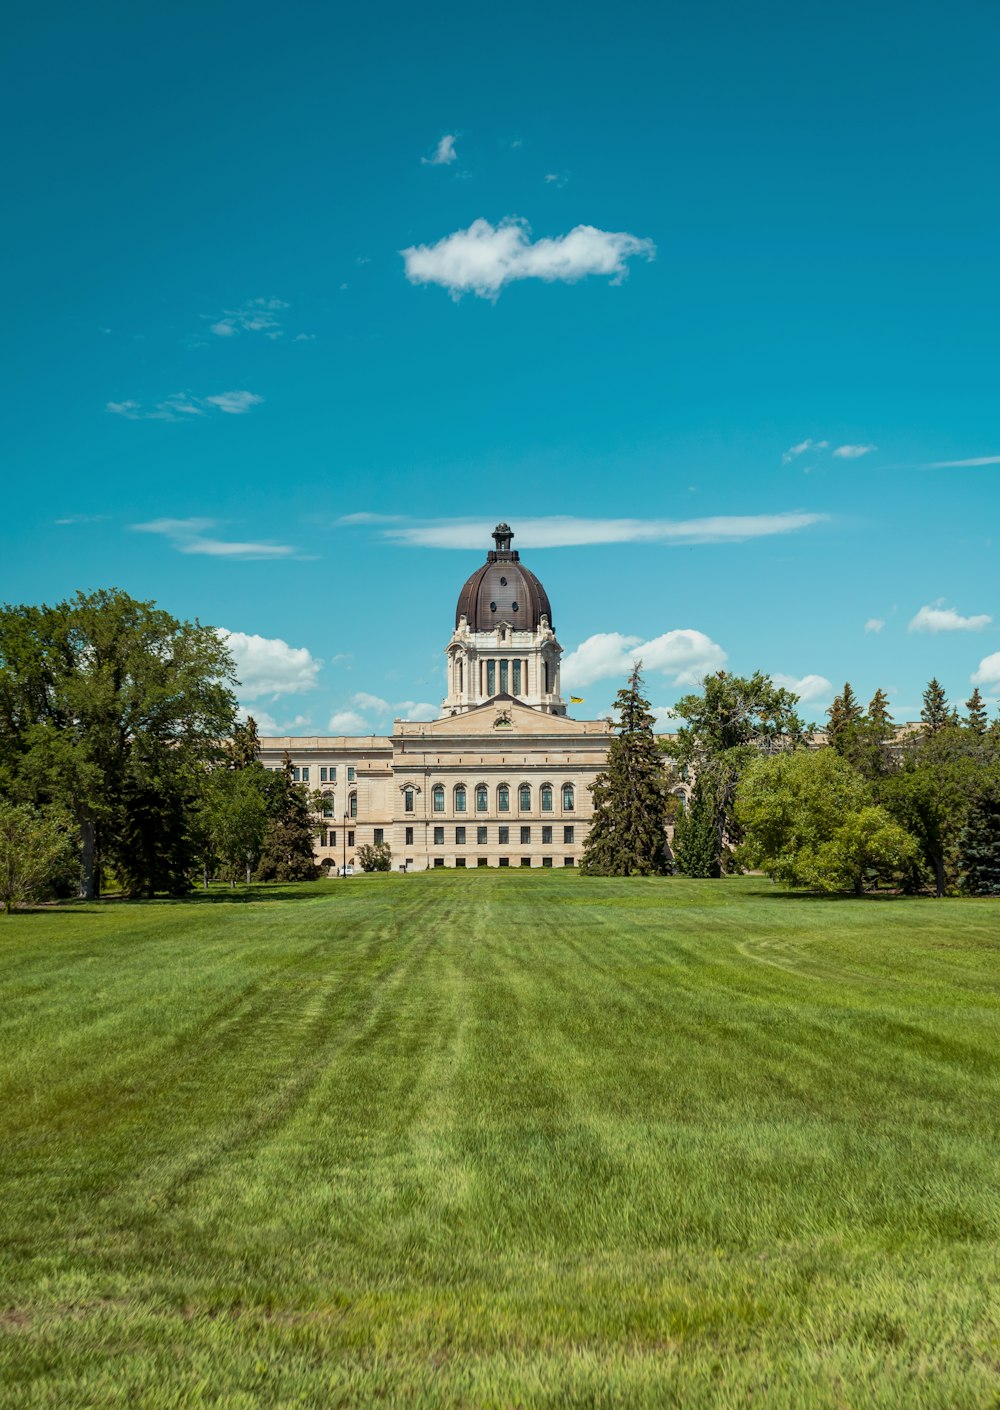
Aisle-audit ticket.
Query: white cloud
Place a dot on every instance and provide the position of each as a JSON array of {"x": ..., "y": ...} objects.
[
  {"x": 801, "y": 448},
  {"x": 364, "y": 517},
  {"x": 182, "y": 405},
  {"x": 988, "y": 672},
  {"x": 81, "y": 519},
  {"x": 564, "y": 531},
  {"x": 269, "y": 667},
  {"x": 482, "y": 259},
  {"x": 417, "y": 710},
  {"x": 348, "y": 722},
  {"x": 444, "y": 152},
  {"x": 805, "y": 687},
  {"x": 875, "y": 624},
  {"x": 268, "y": 725},
  {"x": 962, "y": 464},
  {"x": 558, "y": 179},
  {"x": 936, "y": 618},
  {"x": 686, "y": 655},
  {"x": 188, "y": 536},
  {"x": 853, "y": 452},
  {"x": 256, "y": 316},
  {"x": 370, "y": 702}
]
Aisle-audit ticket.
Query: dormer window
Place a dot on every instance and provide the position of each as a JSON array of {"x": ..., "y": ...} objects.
[
  {"x": 513, "y": 606},
  {"x": 493, "y": 607}
]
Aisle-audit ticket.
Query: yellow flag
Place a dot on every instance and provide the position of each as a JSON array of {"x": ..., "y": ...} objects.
[{"x": 576, "y": 700}]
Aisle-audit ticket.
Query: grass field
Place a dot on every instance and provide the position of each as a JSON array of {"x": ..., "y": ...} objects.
[{"x": 501, "y": 1140}]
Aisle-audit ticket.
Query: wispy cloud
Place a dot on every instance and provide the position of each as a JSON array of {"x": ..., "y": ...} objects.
[
  {"x": 189, "y": 536},
  {"x": 961, "y": 464},
  {"x": 558, "y": 179},
  {"x": 809, "y": 444},
  {"x": 853, "y": 452},
  {"x": 267, "y": 725},
  {"x": 444, "y": 153},
  {"x": 484, "y": 258},
  {"x": 807, "y": 688},
  {"x": 988, "y": 672},
  {"x": 366, "y": 518},
  {"x": 82, "y": 519},
  {"x": 268, "y": 667},
  {"x": 683, "y": 654},
  {"x": 935, "y": 618},
  {"x": 875, "y": 624},
  {"x": 255, "y": 316},
  {"x": 363, "y": 713},
  {"x": 565, "y": 531},
  {"x": 183, "y": 406}
]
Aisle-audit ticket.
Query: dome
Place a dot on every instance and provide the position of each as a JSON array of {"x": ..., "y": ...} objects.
[{"x": 503, "y": 590}]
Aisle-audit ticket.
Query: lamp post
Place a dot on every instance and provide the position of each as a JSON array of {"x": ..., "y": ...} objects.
[{"x": 344, "y": 831}]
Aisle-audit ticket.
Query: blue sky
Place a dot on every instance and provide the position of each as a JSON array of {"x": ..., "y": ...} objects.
[{"x": 702, "y": 299}]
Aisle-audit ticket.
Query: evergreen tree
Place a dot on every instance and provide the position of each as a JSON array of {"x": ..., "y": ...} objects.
[
  {"x": 244, "y": 747},
  {"x": 935, "y": 713},
  {"x": 977, "y": 718},
  {"x": 288, "y": 853},
  {"x": 694, "y": 838},
  {"x": 979, "y": 848},
  {"x": 845, "y": 716},
  {"x": 878, "y": 711},
  {"x": 627, "y": 835}
]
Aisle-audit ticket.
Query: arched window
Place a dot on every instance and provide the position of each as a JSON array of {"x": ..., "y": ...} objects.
[
  {"x": 460, "y": 798},
  {"x": 408, "y": 800},
  {"x": 503, "y": 799},
  {"x": 352, "y": 805},
  {"x": 438, "y": 796},
  {"x": 567, "y": 795},
  {"x": 524, "y": 797},
  {"x": 482, "y": 798},
  {"x": 328, "y": 805},
  {"x": 546, "y": 797}
]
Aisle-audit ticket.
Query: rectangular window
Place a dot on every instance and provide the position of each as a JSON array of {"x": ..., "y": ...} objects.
[
  {"x": 526, "y": 861},
  {"x": 439, "y": 861},
  {"x": 481, "y": 837},
  {"x": 460, "y": 861},
  {"x": 517, "y": 678},
  {"x": 504, "y": 834},
  {"x": 504, "y": 862},
  {"x": 305, "y": 775},
  {"x": 546, "y": 834},
  {"x": 568, "y": 834},
  {"x": 491, "y": 678},
  {"x": 408, "y": 800},
  {"x": 350, "y": 839},
  {"x": 322, "y": 838},
  {"x": 351, "y": 775},
  {"x": 333, "y": 839},
  {"x": 503, "y": 677},
  {"x": 481, "y": 862},
  {"x": 569, "y": 861},
  {"x": 546, "y": 861},
  {"x": 296, "y": 775},
  {"x": 379, "y": 835},
  {"x": 408, "y": 839},
  {"x": 439, "y": 837},
  {"x": 322, "y": 775},
  {"x": 460, "y": 836},
  {"x": 525, "y": 834},
  {"x": 333, "y": 776}
]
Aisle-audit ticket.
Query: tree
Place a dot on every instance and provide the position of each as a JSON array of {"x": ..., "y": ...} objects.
[
  {"x": 977, "y": 718},
  {"x": 809, "y": 820},
  {"x": 730, "y": 724},
  {"x": 979, "y": 848},
  {"x": 112, "y": 708},
  {"x": 627, "y": 836},
  {"x": 863, "y": 739},
  {"x": 237, "y": 820},
  {"x": 694, "y": 838},
  {"x": 935, "y": 712},
  {"x": 374, "y": 856},
  {"x": 878, "y": 711},
  {"x": 33, "y": 844},
  {"x": 243, "y": 749},
  {"x": 845, "y": 716},
  {"x": 288, "y": 852}
]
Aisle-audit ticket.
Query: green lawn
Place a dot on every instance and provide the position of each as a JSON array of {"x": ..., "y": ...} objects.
[{"x": 494, "y": 1139}]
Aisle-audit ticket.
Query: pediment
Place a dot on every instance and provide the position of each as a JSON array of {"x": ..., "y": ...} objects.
[{"x": 503, "y": 716}]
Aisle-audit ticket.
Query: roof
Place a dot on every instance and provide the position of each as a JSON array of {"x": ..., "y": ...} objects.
[{"x": 503, "y": 590}]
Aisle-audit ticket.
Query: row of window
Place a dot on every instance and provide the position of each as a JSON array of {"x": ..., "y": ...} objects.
[
  {"x": 329, "y": 838},
  {"x": 460, "y": 798},
  {"x": 352, "y": 806},
  {"x": 505, "y": 861},
  {"x": 503, "y": 835},
  {"x": 327, "y": 774}
]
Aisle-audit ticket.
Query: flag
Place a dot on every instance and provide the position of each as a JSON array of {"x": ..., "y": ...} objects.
[{"x": 576, "y": 700}]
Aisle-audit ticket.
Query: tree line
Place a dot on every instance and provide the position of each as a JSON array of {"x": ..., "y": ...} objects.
[{"x": 915, "y": 809}]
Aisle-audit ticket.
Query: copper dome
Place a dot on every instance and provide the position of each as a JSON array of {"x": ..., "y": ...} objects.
[{"x": 503, "y": 590}]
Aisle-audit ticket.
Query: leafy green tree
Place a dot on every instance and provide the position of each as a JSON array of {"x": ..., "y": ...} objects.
[
  {"x": 374, "y": 856},
  {"x": 238, "y": 820},
  {"x": 809, "y": 819},
  {"x": 977, "y": 718},
  {"x": 732, "y": 722},
  {"x": 33, "y": 848},
  {"x": 627, "y": 836},
  {"x": 935, "y": 712},
  {"x": 694, "y": 838},
  {"x": 288, "y": 850},
  {"x": 106, "y": 705},
  {"x": 979, "y": 848}
]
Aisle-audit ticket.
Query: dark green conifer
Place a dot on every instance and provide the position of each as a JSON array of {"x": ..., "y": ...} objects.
[
  {"x": 288, "y": 853},
  {"x": 878, "y": 710},
  {"x": 977, "y": 718},
  {"x": 979, "y": 849},
  {"x": 936, "y": 712},
  {"x": 627, "y": 835},
  {"x": 695, "y": 842},
  {"x": 845, "y": 715}
]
